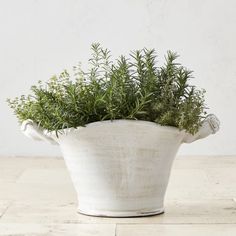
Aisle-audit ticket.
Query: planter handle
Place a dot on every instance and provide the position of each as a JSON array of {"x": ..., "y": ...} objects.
[
  {"x": 210, "y": 125},
  {"x": 33, "y": 131}
]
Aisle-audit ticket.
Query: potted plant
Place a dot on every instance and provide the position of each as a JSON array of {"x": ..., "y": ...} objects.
[{"x": 119, "y": 127}]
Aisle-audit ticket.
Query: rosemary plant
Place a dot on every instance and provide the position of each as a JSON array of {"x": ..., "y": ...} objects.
[{"x": 129, "y": 88}]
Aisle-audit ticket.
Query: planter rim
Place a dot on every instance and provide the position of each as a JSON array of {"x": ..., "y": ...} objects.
[
  {"x": 210, "y": 125},
  {"x": 101, "y": 123}
]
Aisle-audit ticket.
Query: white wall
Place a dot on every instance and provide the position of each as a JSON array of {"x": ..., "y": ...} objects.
[{"x": 40, "y": 38}]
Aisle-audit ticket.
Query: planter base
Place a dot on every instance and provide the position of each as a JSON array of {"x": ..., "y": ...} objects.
[{"x": 121, "y": 214}]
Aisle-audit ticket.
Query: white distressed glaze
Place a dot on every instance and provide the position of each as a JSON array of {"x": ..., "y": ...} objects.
[{"x": 120, "y": 168}]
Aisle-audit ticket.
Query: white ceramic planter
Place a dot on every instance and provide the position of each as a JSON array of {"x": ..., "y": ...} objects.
[{"x": 120, "y": 168}]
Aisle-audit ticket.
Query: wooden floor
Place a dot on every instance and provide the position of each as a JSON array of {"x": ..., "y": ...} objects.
[{"x": 37, "y": 198}]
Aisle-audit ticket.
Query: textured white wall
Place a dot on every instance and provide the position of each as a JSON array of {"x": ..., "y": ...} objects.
[{"x": 40, "y": 38}]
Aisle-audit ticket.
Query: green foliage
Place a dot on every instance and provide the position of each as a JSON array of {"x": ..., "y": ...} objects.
[{"x": 133, "y": 88}]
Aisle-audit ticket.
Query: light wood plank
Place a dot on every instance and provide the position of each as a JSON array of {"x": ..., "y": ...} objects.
[
  {"x": 176, "y": 230},
  {"x": 14, "y": 229},
  {"x": 177, "y": 212}
]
